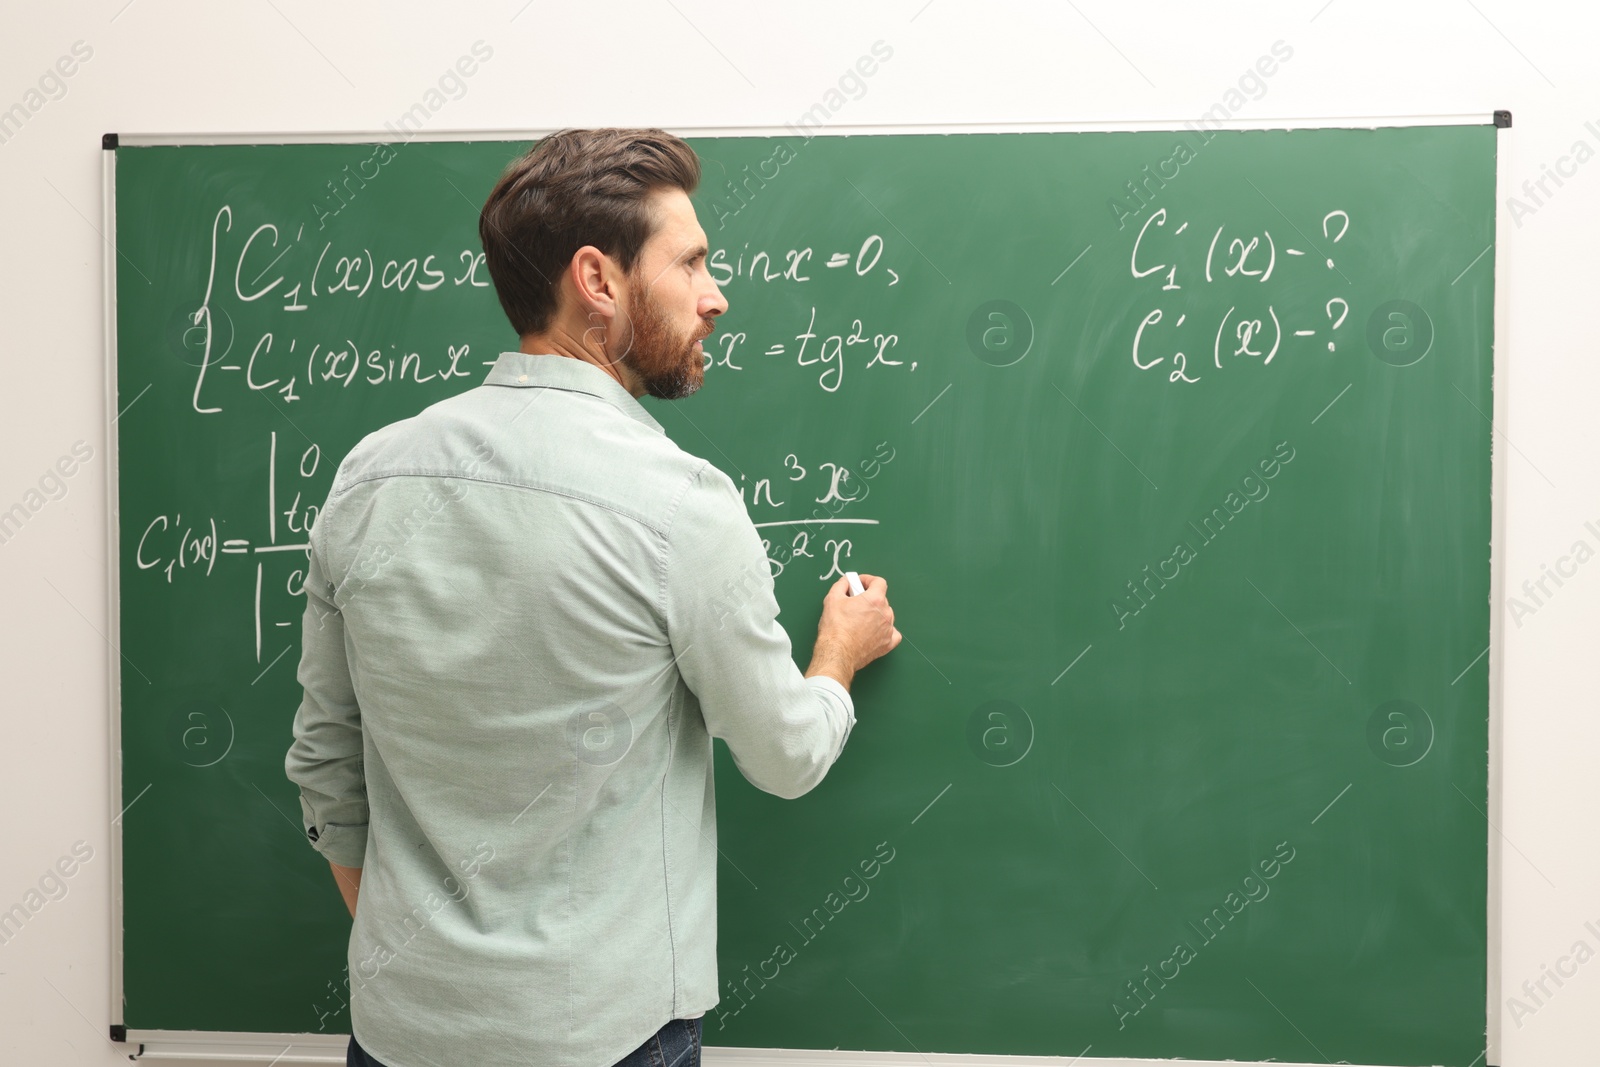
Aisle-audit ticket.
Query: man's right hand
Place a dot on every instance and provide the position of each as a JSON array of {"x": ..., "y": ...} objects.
[{"x": 854, "y": 630}]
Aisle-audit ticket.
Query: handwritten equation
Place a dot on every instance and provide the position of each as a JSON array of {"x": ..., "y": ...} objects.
[
  {"x": 830, "y": 353},
  {"x": 246, "y": 330},
  {"x": 787, "y": 540},
  {"x": 176, "y": 547},
  {"x": 1253, "y": 330},
  {"x": 290, "y": 276}
]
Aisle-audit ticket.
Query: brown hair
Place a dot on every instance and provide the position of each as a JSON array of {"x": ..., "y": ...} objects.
[{"x": 574, "y": 188}]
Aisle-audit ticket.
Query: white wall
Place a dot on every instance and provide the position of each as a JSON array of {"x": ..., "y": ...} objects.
[{"x": 295, "y": 65}]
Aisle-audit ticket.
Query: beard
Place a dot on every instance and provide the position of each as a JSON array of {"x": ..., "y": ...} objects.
[{"x": 665, "y": 360}]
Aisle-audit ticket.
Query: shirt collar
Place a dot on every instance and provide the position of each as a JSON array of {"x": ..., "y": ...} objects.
[{"x": 520, "y": 370}]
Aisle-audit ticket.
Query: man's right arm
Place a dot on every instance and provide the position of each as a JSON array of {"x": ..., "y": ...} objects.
[{"x": 783, "y": 729}]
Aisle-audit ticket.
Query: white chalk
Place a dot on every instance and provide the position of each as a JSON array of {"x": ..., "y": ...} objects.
[{"x": 856, "y": 588}]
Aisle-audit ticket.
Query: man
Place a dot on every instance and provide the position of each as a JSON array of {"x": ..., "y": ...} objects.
[{"x": 528, "y": 612}]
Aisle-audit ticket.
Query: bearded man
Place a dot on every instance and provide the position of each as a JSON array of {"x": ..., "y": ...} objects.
[{"x": 528, "y": 612}]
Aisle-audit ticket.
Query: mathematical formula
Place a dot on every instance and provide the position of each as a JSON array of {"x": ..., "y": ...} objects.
[
  {"x": 1252, "y": 329},
  {"x": 275, "y": 363},
  {"x": 829, "y": 354},
  {"x": 268, "y": 266},
  {"x": 288, "y": 271},
  {"x": 796, "y": 261},
  {"x": 787, "y": 540},
  {"x": 175, "y": 547}
]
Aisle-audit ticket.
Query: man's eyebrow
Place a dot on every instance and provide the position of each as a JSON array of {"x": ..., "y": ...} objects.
[{"x": 697, "y": 252}]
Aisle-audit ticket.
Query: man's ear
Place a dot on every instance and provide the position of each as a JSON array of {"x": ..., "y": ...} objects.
[{"x": 594, "y": 277}]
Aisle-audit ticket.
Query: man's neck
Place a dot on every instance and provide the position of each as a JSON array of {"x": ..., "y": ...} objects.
[{"x": 558, "y": 341}]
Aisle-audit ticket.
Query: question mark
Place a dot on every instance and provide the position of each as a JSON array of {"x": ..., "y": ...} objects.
[
  {"x": 1342, "y": 230},
  {"x": 1344, "y": 310}
]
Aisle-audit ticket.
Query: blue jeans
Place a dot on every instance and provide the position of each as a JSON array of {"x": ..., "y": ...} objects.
[{"x": 676, "y": 1044}]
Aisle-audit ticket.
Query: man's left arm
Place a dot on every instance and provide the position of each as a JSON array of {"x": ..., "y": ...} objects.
[{"x": 325, "y": 760}]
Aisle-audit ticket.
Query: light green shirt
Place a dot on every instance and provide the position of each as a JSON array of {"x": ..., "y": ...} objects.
[{"x": 528, "y": 612}]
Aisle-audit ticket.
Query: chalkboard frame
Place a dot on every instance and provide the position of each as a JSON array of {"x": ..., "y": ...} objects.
[{"x": 308, "y": 1047}]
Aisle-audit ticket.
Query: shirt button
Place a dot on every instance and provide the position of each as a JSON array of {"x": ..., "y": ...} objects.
[{"x": 522, "y": 377}]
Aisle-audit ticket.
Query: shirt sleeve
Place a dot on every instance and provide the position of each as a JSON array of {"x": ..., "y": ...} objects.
[
  {"x": 784, "y": 730},
  {"x": 325, "y": 759}
]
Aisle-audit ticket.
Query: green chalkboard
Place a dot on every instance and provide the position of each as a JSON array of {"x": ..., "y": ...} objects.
[{"x": 1175, "y": 451}]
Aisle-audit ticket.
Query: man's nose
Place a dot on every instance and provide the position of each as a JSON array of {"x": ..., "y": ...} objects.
[{"x": 716, "y": 304}]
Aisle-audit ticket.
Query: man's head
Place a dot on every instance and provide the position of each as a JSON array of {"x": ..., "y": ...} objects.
[{"x": 595, "y": 251}]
